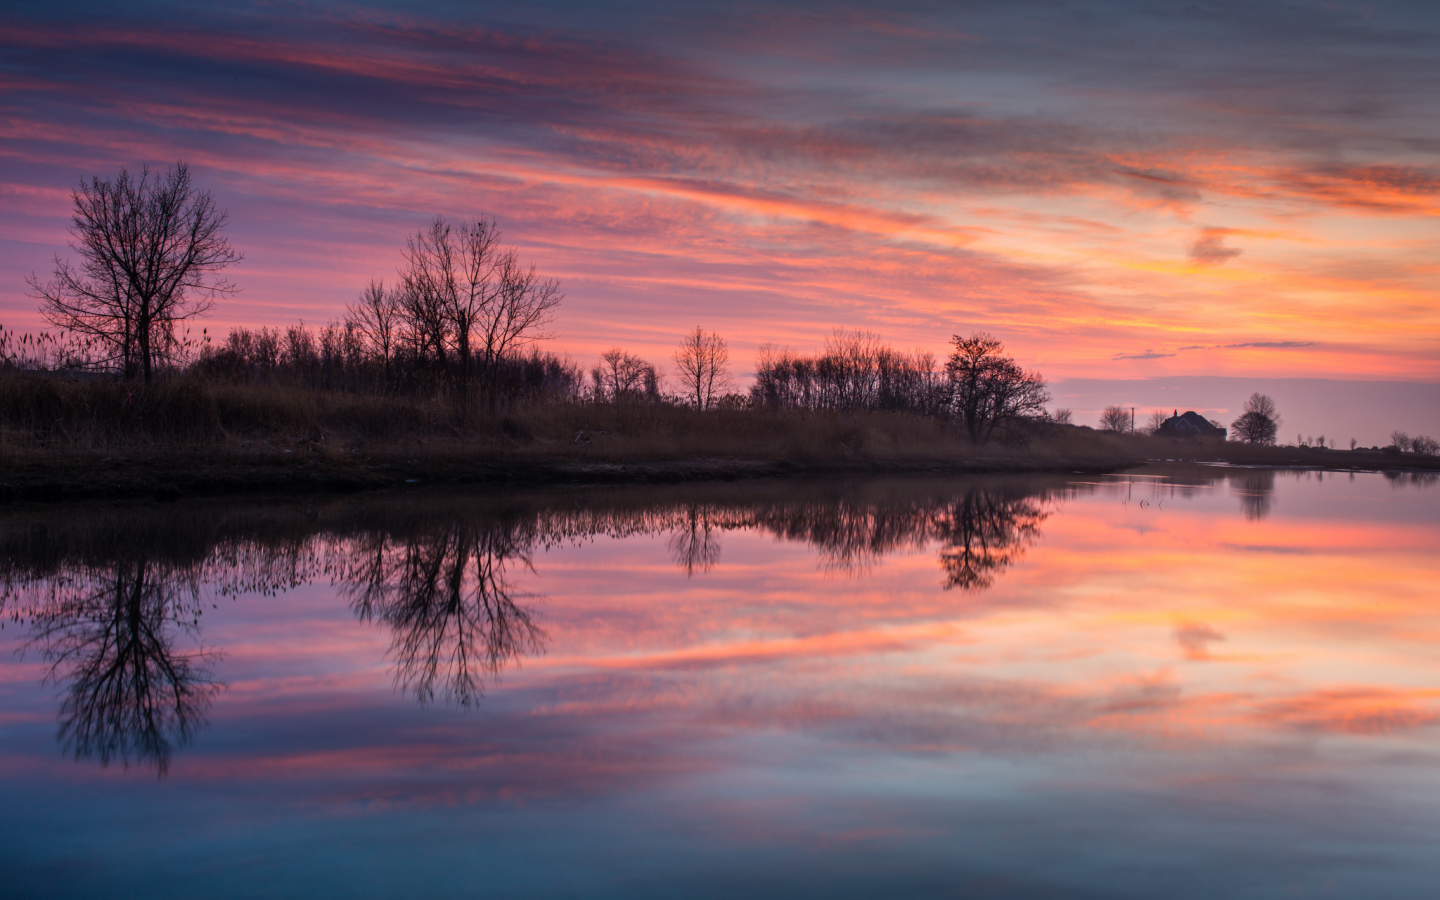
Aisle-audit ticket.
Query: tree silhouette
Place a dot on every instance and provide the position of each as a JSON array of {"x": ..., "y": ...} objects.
[
  {"x": 695, "y": 543},
  {"x": 110, "y": 637},
  {"x": 989, "y": 389},
  {"x": 150, "y": 249},
  {"x": 703, "y": 366},
  {"x": 1260, "y": 422},
  {"x": 985, "y": 533},
  {"x": 1256, "y": 489},
  {"x": 446, "y": 596},
  {"x": 1115, "y": 418}
]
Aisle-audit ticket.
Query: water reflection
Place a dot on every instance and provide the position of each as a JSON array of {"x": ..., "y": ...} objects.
[
  {"x": 745, "y": 688},
  {"x": 446, "y": 596},
  {"x": 695, "y": 541},
  {"x": 1256, "y": 489},
  {"x": 1412, "y": 479},
  {"x": 984, "y": 534},
  {"x": 112, "y": 636},
  {"x": 114, "y": 602}
]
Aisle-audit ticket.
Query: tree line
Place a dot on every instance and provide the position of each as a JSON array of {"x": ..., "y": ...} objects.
[
  {"x": 462, "y": 312},
  {"x": 978, "y": 385}
]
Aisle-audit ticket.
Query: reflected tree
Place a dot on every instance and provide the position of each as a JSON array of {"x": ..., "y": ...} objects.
[
  {"x": 1256, "y": 489},
  {"x": 695, "y": 541},
  {"x": 850, "y": 536},
  {"x": 113, "y": 605},
  {"x": 447, "y": 597},
  {"x": 112, "y": 639},
  {"x": 983, "y": 534},
  {"x": 1411, "y": 479}
]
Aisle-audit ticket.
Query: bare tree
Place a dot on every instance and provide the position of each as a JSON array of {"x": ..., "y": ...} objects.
[
  {"x": 855, "y": 371},
  {"x": 1400, "y": 441},
  {"x": 518, "y": 310},
  {"x": 150, "y": 252},
  {"x": 1157, "y": 419},
  {"x": 703, "y": 365},
  {"x": 621, "y": 376},
  {"x": 109, "y": 632},
  {"x": 476, "y": 288},
  {"x": 461, "y": 292},
  {"x": 428, "y": 289},
  {"x": 1115, "y": 418},
  {"x": 988, "y": 389},
  {"x": 1260, "y": 423},
  {"x": 1422, "y": 445},
  {"x": 376, "y": 315}
]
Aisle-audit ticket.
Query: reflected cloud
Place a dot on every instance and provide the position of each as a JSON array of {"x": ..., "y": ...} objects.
[
  {"x": 1195, "y": 640},
  {"x": 114, "y": 602}
]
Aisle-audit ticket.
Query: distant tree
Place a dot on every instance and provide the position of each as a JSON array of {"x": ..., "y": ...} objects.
[
  {"x": 702, "y": 365},
  {"x": 516, "y": 315},
  {"x": 150, "y": 249},
  {"x": 1259, "y": 424},
  {"x": 988, "y": 389},
  {"x": 1061, "y": 416},
  {"x": 1400, "y": 441},
  {"x": 1157, "y": 418},
  {"x": 428, "y": 284},
  {"x": 1421, "y": 445},
  {"x": 622, "y": 376},
  {"x": 856, "y": 370},
  {"x": 376, "y": 315},
  {"x": 463, "y": 296},
  {"x": 476, "y": 288},
  {"x": 1115, "y": 418}
]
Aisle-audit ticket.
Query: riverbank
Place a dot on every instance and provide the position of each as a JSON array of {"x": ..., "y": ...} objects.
[
  {"x": 310, "y": 468},
  {"x": 60, "y": 479},
  {"x": 71, "y": 440}
]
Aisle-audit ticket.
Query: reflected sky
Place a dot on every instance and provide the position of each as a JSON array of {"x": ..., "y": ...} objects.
[{"x": 1182, "y": 682}]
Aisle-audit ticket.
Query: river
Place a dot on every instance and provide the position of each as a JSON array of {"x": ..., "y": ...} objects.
[{"x": 1182, "y": 681}]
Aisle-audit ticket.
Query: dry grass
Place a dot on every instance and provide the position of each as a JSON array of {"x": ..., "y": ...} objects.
[
  {"x": 57, "y": 423},
  {"x": 51, "y": 417}
]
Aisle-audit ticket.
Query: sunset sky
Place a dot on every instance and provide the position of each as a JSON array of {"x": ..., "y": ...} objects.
[{"x": 1117, "y": 191}]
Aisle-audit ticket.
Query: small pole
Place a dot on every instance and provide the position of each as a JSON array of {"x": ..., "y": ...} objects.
[{"x": 1132, "y": 420}]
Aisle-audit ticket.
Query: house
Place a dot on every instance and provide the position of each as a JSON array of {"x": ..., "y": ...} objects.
[{"x": 1190, "y": 425}]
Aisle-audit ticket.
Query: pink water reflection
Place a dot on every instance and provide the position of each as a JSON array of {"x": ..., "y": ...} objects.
[{"x": 1156, "y": 637}]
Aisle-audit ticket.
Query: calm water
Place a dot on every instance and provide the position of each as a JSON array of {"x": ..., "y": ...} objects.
[{"x": 1181, "y": 682}]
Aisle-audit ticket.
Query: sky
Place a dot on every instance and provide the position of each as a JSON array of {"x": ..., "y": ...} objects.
[{"x": 1121, "y": 192}]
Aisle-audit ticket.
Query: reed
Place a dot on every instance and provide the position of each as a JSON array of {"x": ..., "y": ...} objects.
[{"x": 48, "y": 415}]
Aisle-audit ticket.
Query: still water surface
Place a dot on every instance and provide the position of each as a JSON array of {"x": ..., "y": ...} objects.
[{"x": 1184, "y": 682}]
